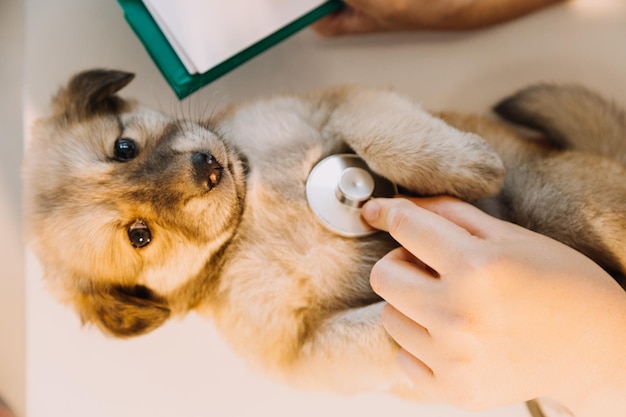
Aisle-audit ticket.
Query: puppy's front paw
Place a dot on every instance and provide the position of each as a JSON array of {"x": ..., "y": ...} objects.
[
  {"x": 472, "y": 171},
  {"x": 450, "y": 162}
]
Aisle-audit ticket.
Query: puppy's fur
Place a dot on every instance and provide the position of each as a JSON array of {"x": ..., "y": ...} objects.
[{"x": 212, "y": 215}]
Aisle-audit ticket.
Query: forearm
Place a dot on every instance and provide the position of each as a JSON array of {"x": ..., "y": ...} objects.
[
  {"x": 608, "y": 403},
  {"x": 483, "y": 13},
  {"x": 363, "y": 16}
]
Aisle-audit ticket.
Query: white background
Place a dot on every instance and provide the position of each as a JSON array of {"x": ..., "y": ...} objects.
[{"x": 50, "y": 366}]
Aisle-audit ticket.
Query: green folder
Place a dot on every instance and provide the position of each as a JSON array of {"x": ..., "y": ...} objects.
[{"x": 182, "y": 82}]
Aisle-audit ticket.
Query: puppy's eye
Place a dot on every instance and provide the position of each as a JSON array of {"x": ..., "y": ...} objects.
[
  {"x": 139, "y": 234},
  {"x": 125, "y": 149}
]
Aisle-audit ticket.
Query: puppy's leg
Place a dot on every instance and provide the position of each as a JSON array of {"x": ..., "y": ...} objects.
[
  {"x": 411, "y": 147},
  {"x": 572, "y": 117},
  {"x": 350, "y": 352},
  {"x": 575, "y": 198}
]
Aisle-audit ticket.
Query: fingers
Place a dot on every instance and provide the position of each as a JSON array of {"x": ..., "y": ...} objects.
[
  {"x": 432, "y": 366},
  {"x": 409, "y": 334},
  {"x": 406, "y": 283},
  {"x": 346, "y": 21},
  {"x": 433, "y": 239},
  {"x": 415, "y": 353},
  {"x": 420, "y": 375}
]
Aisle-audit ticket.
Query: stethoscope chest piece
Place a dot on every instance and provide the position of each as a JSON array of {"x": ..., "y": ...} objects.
[{"x": 336, "y": 189}]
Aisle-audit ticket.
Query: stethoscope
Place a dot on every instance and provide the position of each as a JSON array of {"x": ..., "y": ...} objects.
[{"x": 336, "y": 189}]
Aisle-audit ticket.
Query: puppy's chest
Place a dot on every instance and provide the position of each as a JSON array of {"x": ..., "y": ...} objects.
[
  {"x": 279, "y": 229},
  {"x": 283, "y": 253},
  {"x": 276, "y": 204},
  {"x": 279, "y": 234}
]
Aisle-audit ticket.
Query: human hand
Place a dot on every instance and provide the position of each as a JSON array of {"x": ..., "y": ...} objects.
[
  {"x": 488, "y": 313},
  {"x": 363, "y": 16}
]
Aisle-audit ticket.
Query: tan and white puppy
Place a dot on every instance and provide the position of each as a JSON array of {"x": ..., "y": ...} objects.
[{"x": 137, "y": 216}]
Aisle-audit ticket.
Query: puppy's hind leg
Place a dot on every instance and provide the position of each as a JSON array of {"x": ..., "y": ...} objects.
[
  {"x": 577, "y": 199},
  {"x": 350, "y": 352},
  {"x": 571, "y": 116}
]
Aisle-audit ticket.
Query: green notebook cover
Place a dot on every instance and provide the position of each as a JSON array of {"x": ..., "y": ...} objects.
[{"x": 183, "y": 83}]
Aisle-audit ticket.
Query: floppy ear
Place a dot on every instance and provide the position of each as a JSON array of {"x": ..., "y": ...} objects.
[
  {"x": 91, "y": 92},
  {"x": 124, "y": 311}
]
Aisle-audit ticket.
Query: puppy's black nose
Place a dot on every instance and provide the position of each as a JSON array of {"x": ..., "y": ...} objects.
[{"x": 207, "y": 170}]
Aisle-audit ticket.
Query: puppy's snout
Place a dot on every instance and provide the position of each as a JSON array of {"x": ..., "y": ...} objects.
[{"x": 207, "y": 170}]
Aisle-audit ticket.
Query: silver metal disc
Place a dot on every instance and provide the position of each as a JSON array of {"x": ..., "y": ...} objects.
[{"x": 336, "y": 189}]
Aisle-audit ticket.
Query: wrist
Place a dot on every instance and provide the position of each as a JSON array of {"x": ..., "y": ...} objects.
[
  {"x": 596, "y": 387},
  {"x": 607, "y": 401}
]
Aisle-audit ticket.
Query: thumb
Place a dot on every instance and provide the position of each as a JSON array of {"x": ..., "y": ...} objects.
[
  {"x": 465, "y": 215},
  {"x": 455, "y": 211}
]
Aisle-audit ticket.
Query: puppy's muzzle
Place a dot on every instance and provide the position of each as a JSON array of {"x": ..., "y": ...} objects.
[{"x": 207, "y": 170}]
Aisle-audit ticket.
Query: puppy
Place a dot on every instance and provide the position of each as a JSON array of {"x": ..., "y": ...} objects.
[{"x": 138, "y": 217}]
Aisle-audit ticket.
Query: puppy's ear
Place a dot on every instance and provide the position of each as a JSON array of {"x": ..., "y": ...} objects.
[
  {"x": 124, "y": 311},
  {"x": 91, "y": 92}
]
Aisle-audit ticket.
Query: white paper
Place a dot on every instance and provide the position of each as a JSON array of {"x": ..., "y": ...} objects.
[{"x": 204, "y": 33}]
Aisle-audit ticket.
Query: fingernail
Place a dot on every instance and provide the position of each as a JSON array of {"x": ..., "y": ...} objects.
[{"x": 370, "y": 211}]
